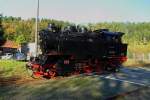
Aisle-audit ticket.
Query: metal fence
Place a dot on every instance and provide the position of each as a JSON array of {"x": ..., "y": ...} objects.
[{"x": 139, "y": 56}]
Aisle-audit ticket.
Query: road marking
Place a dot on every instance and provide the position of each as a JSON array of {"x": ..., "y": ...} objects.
[{"x": 108, "y": 77}]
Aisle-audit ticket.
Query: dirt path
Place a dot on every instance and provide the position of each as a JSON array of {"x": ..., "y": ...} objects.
[{"x": 15, "y": 80}]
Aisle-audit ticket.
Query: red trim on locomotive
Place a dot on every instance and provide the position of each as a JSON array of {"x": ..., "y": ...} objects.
[{"x": 50, "y": 70}]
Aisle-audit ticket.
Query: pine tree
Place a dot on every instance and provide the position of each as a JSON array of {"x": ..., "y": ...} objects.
[{"x": 1, "y": 28}]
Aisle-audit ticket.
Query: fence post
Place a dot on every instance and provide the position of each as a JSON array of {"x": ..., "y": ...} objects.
[
  {"x": 148, "y": 56},
  {"x": 133, "y": 56},
  {"x": 143, "y": 57}
]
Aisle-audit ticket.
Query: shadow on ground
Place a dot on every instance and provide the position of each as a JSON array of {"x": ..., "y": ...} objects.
[
  {"x": 68, "y": 88},
  {"x": 6, "y": 81}
]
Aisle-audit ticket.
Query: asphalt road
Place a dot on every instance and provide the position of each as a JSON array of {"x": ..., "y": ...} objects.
[
  {"x": 127, "y": 80},
  {"x": 137, "y": 76}
]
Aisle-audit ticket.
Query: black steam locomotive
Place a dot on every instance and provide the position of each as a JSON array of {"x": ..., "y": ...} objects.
[{"x": 76, "y": 50}]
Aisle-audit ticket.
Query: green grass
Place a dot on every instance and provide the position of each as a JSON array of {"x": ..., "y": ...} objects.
[{"x": 9, "y": 68}]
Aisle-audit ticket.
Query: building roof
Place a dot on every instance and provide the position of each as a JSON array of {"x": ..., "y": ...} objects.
[{"x": 10, "y": 44}]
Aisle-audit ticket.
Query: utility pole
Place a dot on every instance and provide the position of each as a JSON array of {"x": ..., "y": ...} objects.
[{"x": 37, "y": 31}]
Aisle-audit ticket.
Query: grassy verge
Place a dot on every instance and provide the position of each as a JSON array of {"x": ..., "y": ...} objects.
[{"x": 9, "y": 68}]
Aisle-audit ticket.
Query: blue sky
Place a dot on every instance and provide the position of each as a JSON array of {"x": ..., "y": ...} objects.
[{"x": 80, "y": 11}]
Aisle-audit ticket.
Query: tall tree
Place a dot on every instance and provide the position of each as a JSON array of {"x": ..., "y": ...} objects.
[{"x": 1, "y": 28}]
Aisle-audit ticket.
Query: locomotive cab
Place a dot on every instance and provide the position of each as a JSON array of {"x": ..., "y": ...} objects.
[{"x": 111, "y": 36}]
